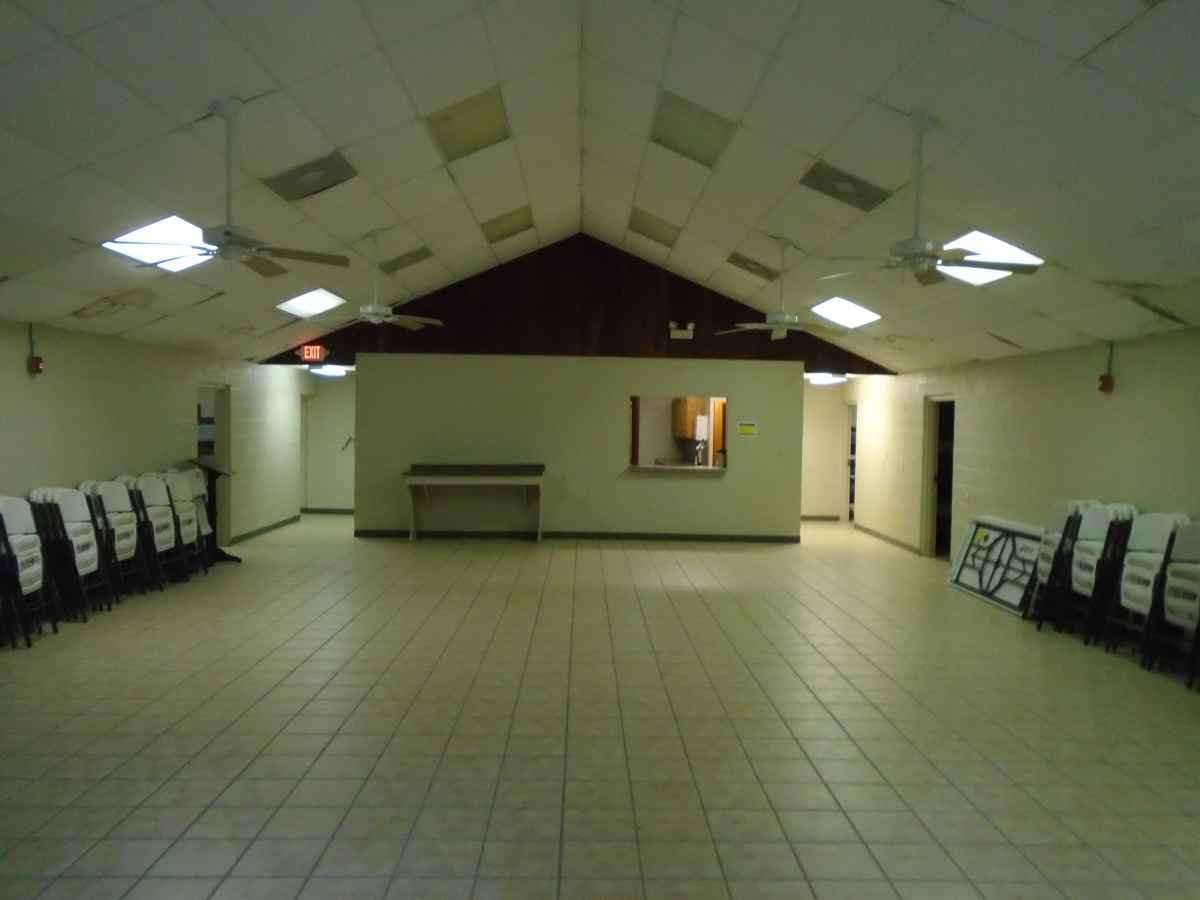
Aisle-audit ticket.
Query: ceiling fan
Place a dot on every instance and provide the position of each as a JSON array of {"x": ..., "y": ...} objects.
[
  {"x": 919, "y": 255},
  {"x": 376, "y": 313},
  {"x": 229, "y": 241},
  {"x": 778, "y": 323}
]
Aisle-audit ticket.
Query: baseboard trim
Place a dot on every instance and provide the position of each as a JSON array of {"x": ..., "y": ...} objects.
[
  {"x": 587, "y": 536},
  {"x": 325, "y": 511},
  {"x": 820, "y": 518},
  {"x": 888, "y": 540},
  {"x": 290, "y": 520}
]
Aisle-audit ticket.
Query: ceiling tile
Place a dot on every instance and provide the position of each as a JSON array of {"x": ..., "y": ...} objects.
[
  {"x": 551, "y": 156},
  {"x": 25, "y": 301},
  {"x": 74, "y": 16},
  {"x": 809, "y": 219},
  {"x": 1113, "y": 320},
  {"x": 528, "y": 33},
  {"x": 262, "y": 212},
  {"x": 425, "y": 277},
  {"x": 148, "y": 51},
  {"x": 604, "y": 140},
  {"x": 616, "y": 97},
  {"x": 517, "y": 245},
  {"x": 448, "y": 226},
  {"x": 396, "y": 156},
  {"x": 606, "y": 185},
  {"x": 759, "y": 22},
  {"x": 389, "y": 244},
  {"x": 1038, "y": 334},
  {"x": 444, "y": 64},
  {"x": 62, "y": 101},
  {"x": 26, "y": 165},
  {"x": 176, "y": 171},
  {"x": 711, "y": 224},
  {"x": 272, "y": 135},
  {"x": 709, "y": 68},
  {"x": 669, "y": 184},
  {"x": 632, "y": 35},
  {"x": 19, "y": 34},
  {"x": 281, "y": 33},
  {"x": 970, "y": 73},
  {"x": 491, "y": 180},
  {"x": 542, "y": 94},
  {"x": 379, "y": 102},
  {"x": 804, "y": 114},
  {"x": 83, "y": 206},
  {"x": 423, "y": 194},
  {"x": 647, "y": 249},
  {"x": 754, "y": 174},
  {"x": 349, "y": 210},
  {"x": 1071, "y": 27},
  {"x": 857, "y": 43},
  {"x": 879, "y": 147},
  {"x": 1157, "y": 54},
  {"x": 95, "y": 273},
  {"x": 393, "y": 20},
  {"x": 26, "y": 247},
  {"x": 696, "y": 257},
  {"x": 469, "y": 259},
  {"x": 735, "y": 283}
]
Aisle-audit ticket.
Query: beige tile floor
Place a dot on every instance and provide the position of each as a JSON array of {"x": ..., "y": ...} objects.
[{"x": 369, "y": 719}]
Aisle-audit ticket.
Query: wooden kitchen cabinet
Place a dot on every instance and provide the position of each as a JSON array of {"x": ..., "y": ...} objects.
[{"x": 683, "y": 416}]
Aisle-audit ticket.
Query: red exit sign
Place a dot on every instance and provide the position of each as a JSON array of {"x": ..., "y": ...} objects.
[{"x": 312, "y": 353}]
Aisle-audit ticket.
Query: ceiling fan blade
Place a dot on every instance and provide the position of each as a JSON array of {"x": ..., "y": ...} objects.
[
  {"x": 402, "y": 322},
  {"x": 322, "y": 259},
  {"x": 778, "y": 334},
  {"x": 1014, "y": 268},
  {"x": 929, "y": 277},
  {"x": 737, "y": 329},
  {"x": 420, "y": 320},
  {"x": 951, "y": 255},
  {"x": 267, "y": 268}
]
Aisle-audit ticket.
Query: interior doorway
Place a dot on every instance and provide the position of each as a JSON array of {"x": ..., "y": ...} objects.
[{"x": 943, "y": 478}]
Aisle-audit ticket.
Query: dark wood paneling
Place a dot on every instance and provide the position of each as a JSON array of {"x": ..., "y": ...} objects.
[{"x": 582, "y": 297}]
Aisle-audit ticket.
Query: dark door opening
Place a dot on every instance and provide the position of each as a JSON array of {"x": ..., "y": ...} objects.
[{"x": 944, "y": 477}]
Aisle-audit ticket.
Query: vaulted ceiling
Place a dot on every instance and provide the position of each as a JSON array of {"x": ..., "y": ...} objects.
[{"x": 1069, "y": 127}]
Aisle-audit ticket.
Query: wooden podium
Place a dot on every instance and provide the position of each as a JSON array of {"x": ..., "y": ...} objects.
[{"x": 212, "y": 471}]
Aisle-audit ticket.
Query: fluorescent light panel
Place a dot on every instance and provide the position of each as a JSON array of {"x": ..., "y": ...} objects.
[
  {"x": 986, "y": 248},
  {"x": 844, "y": 312},
  {"x": 311, "y": 304},
  {"x": 821, "y": 379},
  {"x": 331, "y": 371},
  {"x": 160, "y": 242}
]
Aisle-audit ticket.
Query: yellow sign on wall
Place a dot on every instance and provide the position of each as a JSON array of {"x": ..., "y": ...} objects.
[{"x": 747, "y": 429}]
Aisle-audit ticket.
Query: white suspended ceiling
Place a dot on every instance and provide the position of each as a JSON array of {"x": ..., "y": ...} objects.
[{"x": 1070, "y": 128}]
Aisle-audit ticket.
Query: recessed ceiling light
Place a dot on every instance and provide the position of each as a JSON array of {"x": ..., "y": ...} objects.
[
  {"x": 311, "y": 304},
  {"x": 171, "y": 243},
  {"x": 820, "y": 379},
  {"x": 331, "y": 371},
  {"x": 845, "y": 187},
  {"x": 985, "y": 248},
  {"x": 470, "y": 125},
  {"x": 508, "y": 224},
  {"x": 843, "y": 312}
]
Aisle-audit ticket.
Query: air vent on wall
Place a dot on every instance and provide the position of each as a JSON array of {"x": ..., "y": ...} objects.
[
  {"x": 404, "y": 260},
  {"x": 690, "y": 130},
  {"x": 470, "y": 125},
  {"x": 753, "y": 266},
  {"x": 508, "y": 224},
  {"x": 844, "y": 187},
  {"x": 651, "y": 226},
  {"x": 312, "y": 177}
]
